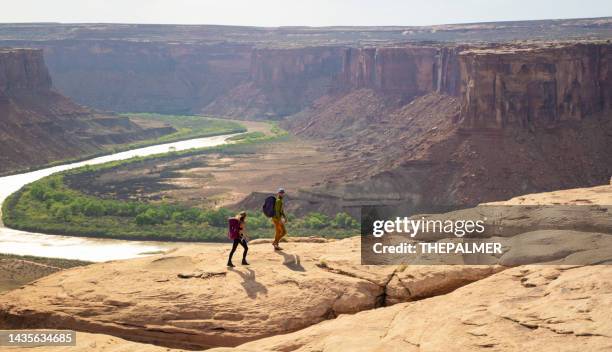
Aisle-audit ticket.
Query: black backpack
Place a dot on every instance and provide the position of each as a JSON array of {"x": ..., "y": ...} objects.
[{"x": 268, "y": 206}]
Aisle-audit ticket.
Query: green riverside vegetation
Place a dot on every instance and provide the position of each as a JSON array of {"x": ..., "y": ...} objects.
[
  {"x": 187, "y": 127},
  {"x": 50, "y": 206}
]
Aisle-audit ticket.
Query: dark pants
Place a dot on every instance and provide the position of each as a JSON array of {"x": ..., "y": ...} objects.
[{"x": 243, "y": 243}]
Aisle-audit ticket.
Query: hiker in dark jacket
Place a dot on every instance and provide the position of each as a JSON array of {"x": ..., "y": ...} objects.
[
  {"x": 279, "y": 219},
  {"x": 241, "y": 239}
]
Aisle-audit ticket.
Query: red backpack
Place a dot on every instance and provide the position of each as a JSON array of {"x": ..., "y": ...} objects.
[{"x": 233, "y": 232}]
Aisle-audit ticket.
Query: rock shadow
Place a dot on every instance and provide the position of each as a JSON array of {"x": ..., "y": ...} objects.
[
  {"x": 291, "y": 261},
  {"x": 249, "y": 283}
]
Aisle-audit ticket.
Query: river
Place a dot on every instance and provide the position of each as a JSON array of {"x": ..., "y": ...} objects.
[{"x": 90, "y": 249}]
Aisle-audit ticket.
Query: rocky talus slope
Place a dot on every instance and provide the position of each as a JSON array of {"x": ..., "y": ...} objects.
[
  {"x": 318, "y": 293},
  {"x": 39, "y": 125}
]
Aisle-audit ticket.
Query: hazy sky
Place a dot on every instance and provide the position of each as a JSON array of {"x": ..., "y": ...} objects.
[{"x": 305, "y": 12}]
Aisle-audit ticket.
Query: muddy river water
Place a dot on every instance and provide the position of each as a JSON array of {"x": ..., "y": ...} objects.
[{"x": 90, "y": 249}]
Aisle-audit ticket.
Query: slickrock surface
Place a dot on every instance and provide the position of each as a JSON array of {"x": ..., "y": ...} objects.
[
  {"x": 601, "y": 195},
  {"x": 189, "y": 299},
  {"x": 534, "y": 307},
  {"x": 288, "y": 300},
  {"x": 522, "y": 309}
]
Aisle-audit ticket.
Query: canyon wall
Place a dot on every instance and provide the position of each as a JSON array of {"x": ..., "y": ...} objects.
[
  {"x": 134, "y": 76},
  {"x": 499, "y": 85},
  {"x": 190, "y": 69},
  {"x": 511, "y": 84},
  {"x": 526, "y": 118},
  {"x": 408, "y": 71},
  {"x": 533, "y": 86},
  {"x": 39, "y": 125},
  {"x": 521, "y": 84},
  {"x": 285, "y": 81},
  {"x": 295, "y": 77},
  {"x": 281, "y": 82}
]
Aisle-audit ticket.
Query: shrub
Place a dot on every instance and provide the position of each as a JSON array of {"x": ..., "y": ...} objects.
[
  {"x": 93, "y": 208},
  {"x": 38, "y": 191},
  {"x": 344, "y": 221},
  {"x": 54, "y": 183},
  {"x": 149, "y": 217},
  {"x": 61, "y": 211},
  {"x": 258, "y": 221},
  {"x": 316, "y": 221},
  {"x": 217, "y": 218}
]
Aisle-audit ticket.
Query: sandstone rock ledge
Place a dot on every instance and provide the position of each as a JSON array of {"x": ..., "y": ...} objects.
[
  {"x": 285, "y": 301},
  {"x": 530, "y": 308},
  {"x": 188, "y": 298}
]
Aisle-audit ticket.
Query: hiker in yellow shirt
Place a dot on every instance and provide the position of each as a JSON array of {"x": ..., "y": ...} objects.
[{"x": 279, "y": 219}]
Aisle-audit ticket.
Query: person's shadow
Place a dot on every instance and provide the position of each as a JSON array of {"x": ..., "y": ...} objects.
[
  {"x": 291, "y": 261},
  {"x": 250, "y": 285}
]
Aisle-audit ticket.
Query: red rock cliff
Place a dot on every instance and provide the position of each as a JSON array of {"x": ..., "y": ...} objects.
[
  {"x": 405, "y": 70},
  {"x": 535, "y": 86},
  {"x": 128, "y": 76},
  {"x": 293, "y": 78},
  {"x": 281, "y": 81},
  {"x": 22, "y": 69}
]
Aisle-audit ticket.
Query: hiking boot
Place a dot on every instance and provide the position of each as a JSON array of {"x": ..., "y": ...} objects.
[
  {"x": 277, "y": 248},
  {"x": 230, "y": 265},
  {"x": 244, "y": 262}
]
